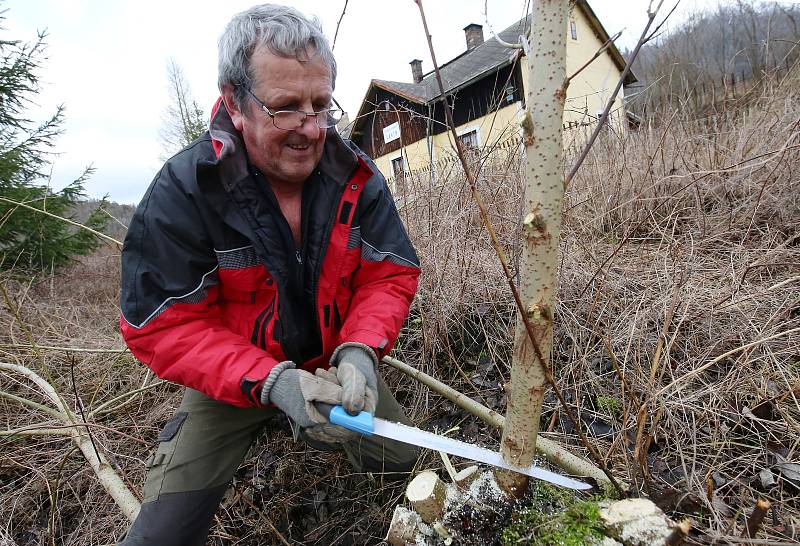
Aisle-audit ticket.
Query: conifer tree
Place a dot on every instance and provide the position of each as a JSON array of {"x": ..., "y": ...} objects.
[{"x": 33, "y": 241}]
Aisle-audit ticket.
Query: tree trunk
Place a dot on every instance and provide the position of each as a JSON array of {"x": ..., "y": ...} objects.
[{"x": 541, "y": 227}]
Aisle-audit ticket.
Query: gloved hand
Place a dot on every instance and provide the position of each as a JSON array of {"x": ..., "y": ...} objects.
[
  {"x": 356, "y": 373},
  {"x": 328, "y": 432},
  {"x": 295, "y": 391}
]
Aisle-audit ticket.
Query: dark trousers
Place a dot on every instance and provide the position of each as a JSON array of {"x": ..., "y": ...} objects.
[{"x": 200, "y": 449}]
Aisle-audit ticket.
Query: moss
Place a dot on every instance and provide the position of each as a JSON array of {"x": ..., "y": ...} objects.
[
  {"x": 554, "y": 517},
  {"x": 609, "y": 405}
]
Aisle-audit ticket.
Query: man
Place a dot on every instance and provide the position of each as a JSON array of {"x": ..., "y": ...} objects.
[{"x": 261, "y": 254}]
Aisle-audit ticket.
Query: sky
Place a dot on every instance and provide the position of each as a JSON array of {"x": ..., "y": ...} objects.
[{"x": 106, "y": 63}]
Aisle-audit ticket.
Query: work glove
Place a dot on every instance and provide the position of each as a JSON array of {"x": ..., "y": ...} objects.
[
  {"x": 296, "y": 393},
  {"x": 355, "y": 365},
  {"x": 328, "y": 432}
]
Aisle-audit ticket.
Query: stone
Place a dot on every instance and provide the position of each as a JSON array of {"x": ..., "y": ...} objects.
[{"x": 636, "y": 522}]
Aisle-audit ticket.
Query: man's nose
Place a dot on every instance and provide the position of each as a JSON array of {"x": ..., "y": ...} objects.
[{"x": 309, "y": 128}]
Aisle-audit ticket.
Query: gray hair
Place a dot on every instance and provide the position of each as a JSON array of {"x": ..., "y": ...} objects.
[{"x": 283, "y": 30}]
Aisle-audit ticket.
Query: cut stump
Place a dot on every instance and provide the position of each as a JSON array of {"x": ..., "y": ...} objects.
[
  {"x": 404, "y": 527},
  {"x": 426, "y": 493}
]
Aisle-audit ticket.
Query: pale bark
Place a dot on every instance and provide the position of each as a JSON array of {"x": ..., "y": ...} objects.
[
  {"x": 426, "y": 493},
  {"x": 464, "y": 478},
  {"x": 78, "y": 432},
  {"x": 542, "y": 206},
  {"x": 404, "y": 527}
]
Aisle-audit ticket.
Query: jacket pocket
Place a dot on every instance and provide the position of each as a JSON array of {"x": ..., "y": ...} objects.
[
  {"x": 248, "y": 286},
  {"x": 173, "y": 426}
]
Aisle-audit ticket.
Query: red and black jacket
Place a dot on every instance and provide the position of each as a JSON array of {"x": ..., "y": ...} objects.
[{"x": 209, "y": 286}]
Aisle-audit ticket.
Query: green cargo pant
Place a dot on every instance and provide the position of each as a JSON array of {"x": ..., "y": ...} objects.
[{"x": 201, "y": 447}]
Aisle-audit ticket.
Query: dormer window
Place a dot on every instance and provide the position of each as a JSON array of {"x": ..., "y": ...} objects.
[{"x": 510, "y": 93}]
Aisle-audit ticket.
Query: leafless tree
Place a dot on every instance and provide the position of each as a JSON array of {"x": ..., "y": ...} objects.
[{"x": 183, "y": 120}]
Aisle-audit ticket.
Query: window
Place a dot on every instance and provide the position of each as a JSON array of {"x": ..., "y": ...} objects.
[
  {"x": 469, "y": 140},
  {"x": 510, "y": 93},
  {"x": 573, "y": 30}
]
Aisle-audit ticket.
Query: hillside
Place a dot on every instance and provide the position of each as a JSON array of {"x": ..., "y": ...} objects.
[{"x": 713, "y": 49}]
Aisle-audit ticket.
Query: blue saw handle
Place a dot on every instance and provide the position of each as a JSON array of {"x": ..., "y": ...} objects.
[{"x": 361, "y": 423}]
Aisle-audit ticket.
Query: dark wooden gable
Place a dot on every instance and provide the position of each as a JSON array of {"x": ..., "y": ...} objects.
[{"x": 417, "y": 121}]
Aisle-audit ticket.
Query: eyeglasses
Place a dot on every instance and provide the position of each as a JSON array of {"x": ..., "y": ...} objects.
[{"x": 290, "y": 120}]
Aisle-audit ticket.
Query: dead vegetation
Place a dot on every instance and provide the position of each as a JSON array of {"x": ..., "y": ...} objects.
[{"x": 677, "y": 334}]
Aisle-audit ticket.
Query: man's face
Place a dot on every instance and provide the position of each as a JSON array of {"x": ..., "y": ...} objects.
[{"x": 286, "y": 158}]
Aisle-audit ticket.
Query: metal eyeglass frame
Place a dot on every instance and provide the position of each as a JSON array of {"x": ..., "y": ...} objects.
[{"x": 266, "y": 109}]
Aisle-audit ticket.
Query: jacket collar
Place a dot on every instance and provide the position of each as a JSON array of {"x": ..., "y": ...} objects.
[{"x": 338, "y": 160}]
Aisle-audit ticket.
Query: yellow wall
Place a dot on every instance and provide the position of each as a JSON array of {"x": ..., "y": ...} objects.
[
  {"x": 590, "y": 90},
  {"x": 492, "y": 129},
  {"x": 586, "y": 97}
]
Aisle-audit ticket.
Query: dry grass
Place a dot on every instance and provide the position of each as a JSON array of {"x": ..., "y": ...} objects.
[
  {"x": 680, "y": 264},
  {"x": 680, "y": 267}
]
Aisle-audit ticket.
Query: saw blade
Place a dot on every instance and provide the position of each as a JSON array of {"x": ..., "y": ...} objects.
[{"x": 421, "y": 438}]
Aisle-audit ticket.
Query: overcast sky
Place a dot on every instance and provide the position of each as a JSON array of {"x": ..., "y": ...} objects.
[{"x": 107, "y": 63}]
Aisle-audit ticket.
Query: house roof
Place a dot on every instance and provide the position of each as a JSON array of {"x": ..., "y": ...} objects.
[
  {"x": 484, "y": 59},
  {"x": 464, "y": 69}
]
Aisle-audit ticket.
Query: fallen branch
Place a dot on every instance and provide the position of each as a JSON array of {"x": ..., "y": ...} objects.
[
  {"x": 555, "y": 453},
  {"x": 37, "y": 348},
  {"x": 108, "y": 478},
  {"x": 33, "y": 405}
]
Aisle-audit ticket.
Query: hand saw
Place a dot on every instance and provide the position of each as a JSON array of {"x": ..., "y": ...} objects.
[{"x": 364, "y": 423}]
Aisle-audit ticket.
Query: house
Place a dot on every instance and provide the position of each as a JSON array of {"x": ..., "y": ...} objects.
[{"x": 402, "y": 125}]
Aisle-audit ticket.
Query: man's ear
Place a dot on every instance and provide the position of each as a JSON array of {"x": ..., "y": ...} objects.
[{"x": 237, "y": 117}]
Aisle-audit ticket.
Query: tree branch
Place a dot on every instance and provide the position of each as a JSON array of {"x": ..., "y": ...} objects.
[
  {"x": 108, "y": 478},
  {"x": 336, "y": 34},
  {"x": 67, "y": 220},
  {"x": 597, "y": 54},
  {"x": 604, "y": 116},
  {"x": 33, "y": 405},
  {"x": 554, "y": 452}
]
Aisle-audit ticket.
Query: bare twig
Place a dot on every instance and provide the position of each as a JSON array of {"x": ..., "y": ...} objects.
[
  {"x": 596, "y": 55},
  {"x": 497, "y": 37},
  {"x": 338, "y": 24},
  {"x": 109, "y": 405},
  {"x": 67, "y": 220},
  {"x": 704, "y": 367}
]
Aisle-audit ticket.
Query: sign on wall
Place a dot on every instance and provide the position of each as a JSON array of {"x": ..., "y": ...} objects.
[{"x": 391, "y": 132}]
